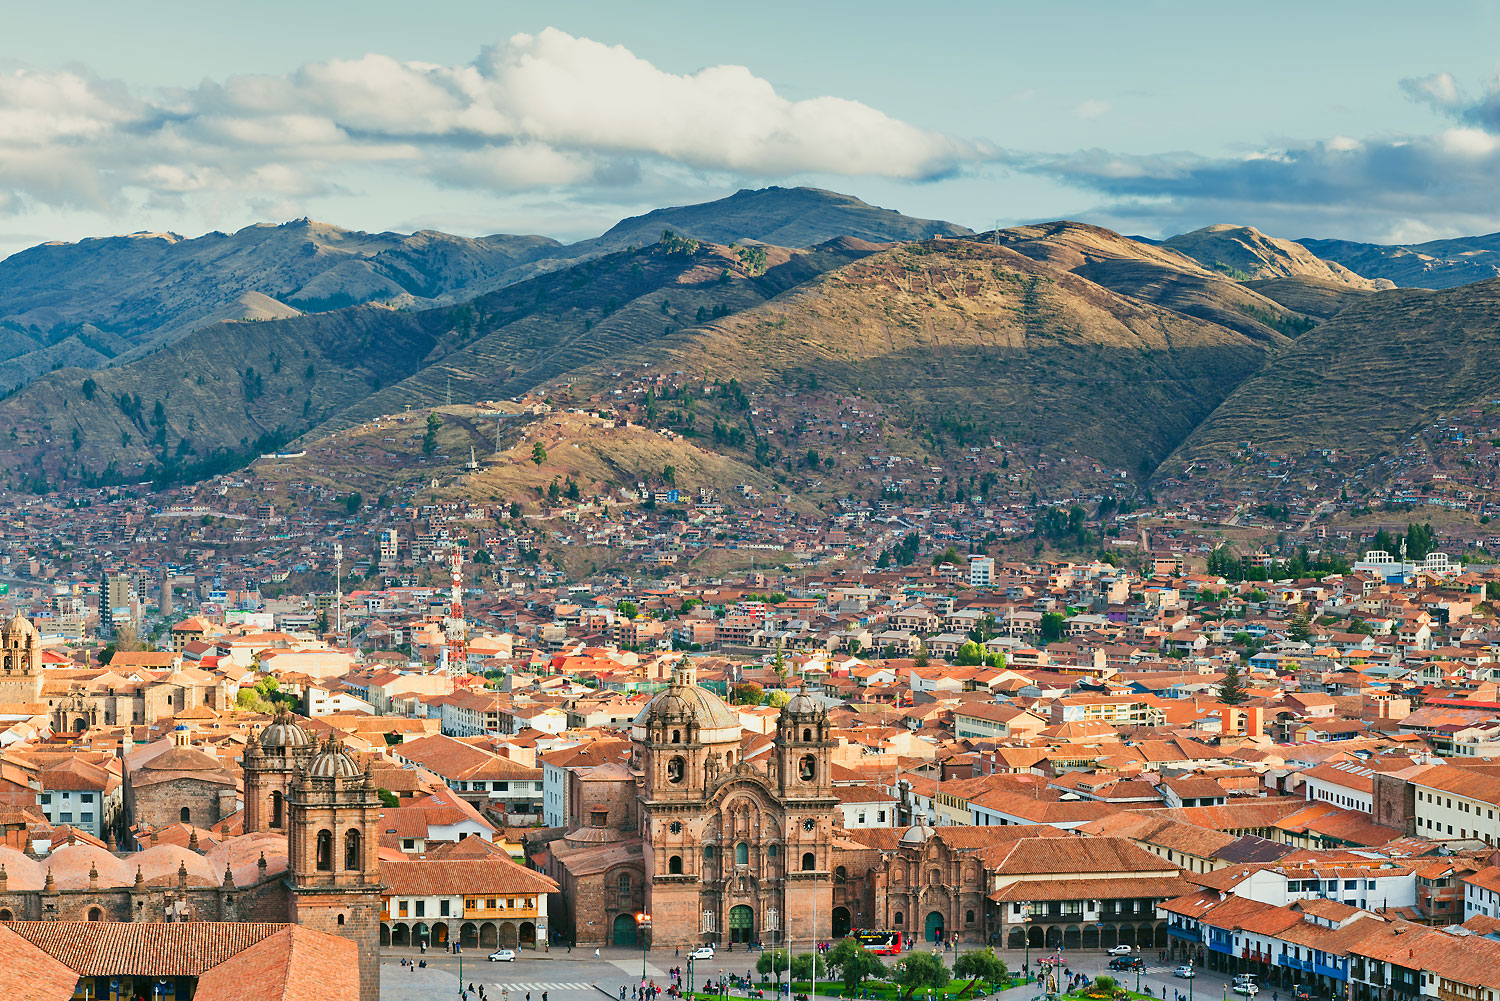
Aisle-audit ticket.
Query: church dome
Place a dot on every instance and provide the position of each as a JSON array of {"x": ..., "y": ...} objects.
[
  {"x": 916, "y": 836},
  {"x": 803, "y": 704},
  {"x": 284, "y": 731},
  {"x": 19, "y": 627},
  {"x": 333, "y": 762},
  {"x": 683, "y": 702}
]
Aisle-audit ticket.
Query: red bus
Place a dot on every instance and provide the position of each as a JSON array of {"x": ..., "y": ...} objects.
[{"x": 882, "y": 943}]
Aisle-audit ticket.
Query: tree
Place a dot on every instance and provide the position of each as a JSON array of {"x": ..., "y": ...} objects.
[
  {"x": 629, "y": 609},
  {"x": 1231, "y": 689},
  {"x": 982, "y": 964},
  {"x": 969, "y": 655},
  {"x": 748, "y": 693},
  {"x": 429, "y": 439},
  {"x": 1053, "y": 624},
  {"x": 515, "y": 510},
  {"x": 1298, "y": 632},
  {"x": 538, "y": 453},
  {"x": 669, "y": 475},
  {"x": 90, "y": 387},
  {"x": 802, "y": 966},
  {"x": 773, "y": 962},
  {"x": 920, "y": 660},
  {"x": 778, "y": 699},
  {"x": 922, "y": 970},
  {"x": 854, "y": 963}
]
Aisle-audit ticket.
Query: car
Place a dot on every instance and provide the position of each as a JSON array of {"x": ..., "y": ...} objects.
[
  {"x": 1121, "y": 950},
  {"x": 1248, "y": 989},
  {"x": 702, "y": 952},
  {"x": 503, "y": 956},
  {"x": 1127, "y": 963},
  {"x": 1185, "y": 972}
]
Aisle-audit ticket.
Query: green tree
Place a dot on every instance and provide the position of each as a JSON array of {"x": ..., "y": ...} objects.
[
  {"x": 515, "y": 510},
  {"x": 1299, "y": 630},
  {"x": 629, "y": 609},
  {"x": 1053, "y": 624},
  {"x": 854, "y": 963},
  {"x": 669, "y": 475},
  {"x": 921, "y": 970},
  {"x": 388, "y": 799},
  {"x": 748, "y": 693},
  {"x": 777, "y": 699},
  {"x": 949, "y": 555},
  {"x": 429, "y": 439},
  {"x": 982, "y": 964},
  {"x": 921, "y": 660},
  {"x": 774, "y": 963},
  {"x": 538, "y": 453},
  {"x": 1231, "y": 689},
  {"x": 90, "y": 387},
  {"x": 971, "y": 654},
  {"x": 803, "y": 964}
]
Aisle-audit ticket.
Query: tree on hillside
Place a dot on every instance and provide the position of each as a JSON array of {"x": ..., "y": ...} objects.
[
  {"x": 854, "y": 963},
  {"x": 1299, "y": 630},
  {"x": 429, "y": 439},
  {"x": 538, "y": 453},
  {"x": 1231, "y": 689}
]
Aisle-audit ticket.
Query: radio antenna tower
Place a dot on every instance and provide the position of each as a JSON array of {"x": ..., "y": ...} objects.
[{"x": 457, "y": 646}]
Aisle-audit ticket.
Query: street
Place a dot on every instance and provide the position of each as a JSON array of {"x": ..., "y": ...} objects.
[{"x": 574, "y": 977}]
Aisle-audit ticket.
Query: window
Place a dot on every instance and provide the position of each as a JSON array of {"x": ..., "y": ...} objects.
[
  {"x": 276, "y": 807},
  {"x": 46, "y": 797},
  {"x": 809, "y": 862},
  {"x": 881, "y": 816},
  {"x": 325, "y": 851},
  {"x": 676, "y": 770},
  {"x": 489, "y": 902},
  {"x": 676, "y": 736},
  {"x": 968, "y": 917},
  {"x": 66, "y": 818},
  {"x": 742, "y": 853},
  {"x": 421, "y": 908},
  {"x": 185, "y": 815},
  {"x": 86, "y": 818},
  {"x": 352, "y": 860},
  {"x": 624, "y": 883},
  {"x": 443, "y": 907},
  {"x": 840, "y": 874},
  {"x": 898, "y": 919},
  {"x": 674, "y": 865},
  {"x": 808, "y": 770},
  {"x": 708, "y": 853},
  {"x": 807, "y": 735},
  {"x": 341, "y": 920},
  {"x": 86, "y": 797},
  {"x": 772, "y": 851},
  {"x": 95, "y": 914},
  {"x": 401, "y": 908}
]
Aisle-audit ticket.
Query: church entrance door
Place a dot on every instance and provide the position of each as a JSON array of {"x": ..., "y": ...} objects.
[
  {"x": 934, "y": 926},
  {"x": 741, "y": 923},
  {"x": 840, "y": 922},
  {"x": 624, "y": 930}
]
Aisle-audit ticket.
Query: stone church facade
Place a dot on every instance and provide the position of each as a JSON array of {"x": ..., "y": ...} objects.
[{"x": 724, "y": 851}]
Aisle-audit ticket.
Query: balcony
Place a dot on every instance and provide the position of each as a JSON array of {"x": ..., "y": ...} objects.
[{"x": 1053, "y": 914}]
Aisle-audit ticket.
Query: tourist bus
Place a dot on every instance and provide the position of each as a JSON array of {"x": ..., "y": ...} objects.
[{"x": 882, "y": 943}]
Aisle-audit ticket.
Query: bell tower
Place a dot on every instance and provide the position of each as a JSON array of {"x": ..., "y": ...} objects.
[
  {"x": 333, "y": 866},
  {"x": 271, "y": 764},
  {"x": 20, "y": 661},
  {"x": 804, "y": 744}
]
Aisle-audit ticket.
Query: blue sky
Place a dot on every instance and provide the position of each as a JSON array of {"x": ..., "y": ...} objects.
[{"x": 1365, "y": 121}]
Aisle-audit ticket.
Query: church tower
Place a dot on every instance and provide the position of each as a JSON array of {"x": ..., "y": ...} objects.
[
  {"x": 805, "y": 788},
  {"x": 20, "y": 661},
  {"x": 332, "y": 816},
  {"x": 271, "y": 764}
]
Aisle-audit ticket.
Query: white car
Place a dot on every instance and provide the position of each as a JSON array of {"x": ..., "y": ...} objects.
[
  {"x": 702, "y": 952},
  {"x": 1121, "y": 950},
  {"x": 1247, "y": 989},
  {"x": 503, "y": 956},
  {"x": 1185, "y": 972}
]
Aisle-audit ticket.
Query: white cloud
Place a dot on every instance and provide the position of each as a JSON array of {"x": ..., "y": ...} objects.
[
  {"x": 536, "y": 111},
  {"x": 1091, "y": 108}
]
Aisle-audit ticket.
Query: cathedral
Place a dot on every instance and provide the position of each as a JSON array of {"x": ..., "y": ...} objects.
[{"x": 714, "y": 847}]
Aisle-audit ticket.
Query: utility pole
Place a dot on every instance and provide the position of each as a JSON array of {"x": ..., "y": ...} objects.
[{"x": 338, "y": 589}]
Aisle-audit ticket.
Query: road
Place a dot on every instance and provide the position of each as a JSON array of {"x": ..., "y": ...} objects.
[{"x": 574, "y": 977}]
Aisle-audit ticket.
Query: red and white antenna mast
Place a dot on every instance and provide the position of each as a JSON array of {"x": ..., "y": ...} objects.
[{"x": 458, "y": 646}]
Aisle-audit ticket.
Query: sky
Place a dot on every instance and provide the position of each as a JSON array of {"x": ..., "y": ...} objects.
[{"x": 1366, "y": 121}]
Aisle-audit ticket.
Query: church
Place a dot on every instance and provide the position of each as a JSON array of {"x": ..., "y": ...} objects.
[{"x": 713, "y": 846}]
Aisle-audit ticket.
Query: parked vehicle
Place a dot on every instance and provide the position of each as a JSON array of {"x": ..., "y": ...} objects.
[
  {"x": 1121, "y": 950},
  {"x": 1185, "y": 972},
  {"x": 503, "y": 956},
  {"x": 702, "y": 952}
]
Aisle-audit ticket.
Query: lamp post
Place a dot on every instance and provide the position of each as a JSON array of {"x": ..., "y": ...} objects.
[
  {"x": 1191, "y": 978},
  {"x": 642, "y": 929},
  {"x": 723, "y": 987}
]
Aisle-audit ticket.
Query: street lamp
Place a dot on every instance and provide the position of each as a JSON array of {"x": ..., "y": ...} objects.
[{"x": 642, "y": 929}]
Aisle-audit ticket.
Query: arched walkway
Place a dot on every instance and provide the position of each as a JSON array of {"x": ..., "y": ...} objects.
[
  {"x": 623, "y": 932},
  {"x": 841, "y": 922},
  {"x": 440, "y": 934},
  {"x": 1127, "y": 934},
  {"x": 400, "y": 935},
  {"x": 488, "y": 938},
  {"x": 1054, "y": 937},
  {"x": 1072, "y": 937},
  {"x": 1034, "y": 936},
  {"x": 421, "y": 933},
  {"x": 468, "y": 935},
  {"x": 1161, "y": 936},
  {"x": 1109, "y": 937},
  {"x": 528, "y": 934},
  {"x": 1091, "y": 937},
  {"x": 508, "y": 938},
  {"x": 385, "y": 935}
]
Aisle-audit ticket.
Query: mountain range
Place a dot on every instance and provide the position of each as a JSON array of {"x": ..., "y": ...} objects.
[{"x": 157, "y": 356}]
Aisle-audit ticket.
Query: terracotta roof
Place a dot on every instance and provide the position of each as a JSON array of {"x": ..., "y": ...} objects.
[
  {"x": 295, "y": 964},
  {"x": 446, "y": 877},
  {"x": 114, "y": 948},
  {"x": 1092, "y": 889},
  {"x": 30, "y": 973}
]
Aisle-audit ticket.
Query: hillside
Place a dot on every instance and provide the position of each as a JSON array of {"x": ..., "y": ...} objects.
[
  {"x": 1244, "y": 253},
  {"x": 108, "y": 301},
  {"x": 960, "y": 331},
  {"x": 1362, "y": 382},
  {"x": 1155, "y": 274},
  {"x": 1315, "y": 297},
  {"x": 243, "y": 386},
  {"x": 1436, "y": 264}
]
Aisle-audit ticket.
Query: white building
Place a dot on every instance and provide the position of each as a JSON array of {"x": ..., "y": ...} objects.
[{"x": 981, "y": 571}]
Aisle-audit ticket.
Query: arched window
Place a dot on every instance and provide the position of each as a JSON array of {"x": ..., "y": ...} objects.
[
  {"x": 742, "y": 853},
  {"x": 95, "y": 914},
  {"x": 898, "y": 919},
  {"x": 341, "y": 920},
  {"x": 809, "y": 769},
  {"x": 674, "y": 865},
  {"x": 276, "y": 807},
  {"x": 840, "y": 874},
  {"x": 185, "y": 815},
  {"x": 676, "y": 736},
  {"x": 968, "y": 917},
  {"x": 6, "y": 915},
  {"x": 807, "y": 735},
  {"x": 325, "y": 851},
  {"x": 676, "y": 770},
  {"x": 809, "y": 861},
  {"x": 351, "y": 850},
  {"x": 708, "y": 853},
  {"x": 624, "y": 884},
  {"x": 772, "y": 850}
]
